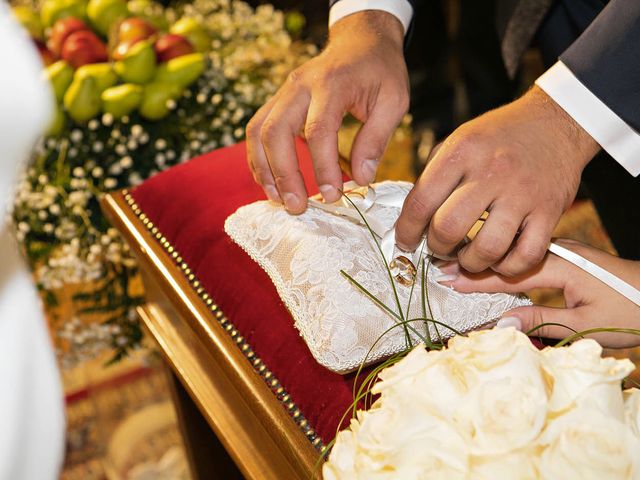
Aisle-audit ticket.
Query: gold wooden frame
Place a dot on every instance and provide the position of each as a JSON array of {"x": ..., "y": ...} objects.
[{"x": 251, "y": 414}]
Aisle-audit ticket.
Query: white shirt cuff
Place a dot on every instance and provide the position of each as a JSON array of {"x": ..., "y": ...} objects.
[
  {"x": 401, "y": 9},
  {"x": 613, "y": 134}
]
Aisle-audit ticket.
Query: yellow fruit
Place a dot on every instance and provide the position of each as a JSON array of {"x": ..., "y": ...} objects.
[
  {"x": 82, "y": 99},
  {"x": 190, "y": 28},
  {"x": 102, "y": 73},
  {"x": 182, "y": 71},
  {"x": 56, "y": 126},
  {"x": 138, "y": 64},
  {"x": 60, "y": 74},
  {"x": 53, "y": 10},
  {"x": 121, "y": 100},
  {"x": 29, "y": 20},
  {"x": 155, "y": 99},
  {"x": 104, "y": 13}
]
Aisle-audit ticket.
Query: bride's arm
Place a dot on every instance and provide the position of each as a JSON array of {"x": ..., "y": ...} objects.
[{"x": 589, "y": 302}]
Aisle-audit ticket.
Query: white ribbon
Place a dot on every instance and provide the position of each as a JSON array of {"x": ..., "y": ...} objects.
[
  {"x": 606, "y": 277},
  {"x": 364, "y": 202},
  {"x": 345, "y": 208}
]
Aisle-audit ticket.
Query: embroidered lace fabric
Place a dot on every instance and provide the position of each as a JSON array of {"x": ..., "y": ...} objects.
[{"x": 303, "y": 255}]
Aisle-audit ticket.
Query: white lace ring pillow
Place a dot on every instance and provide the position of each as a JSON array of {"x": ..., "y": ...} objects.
[{"x": 343, "y": 327}]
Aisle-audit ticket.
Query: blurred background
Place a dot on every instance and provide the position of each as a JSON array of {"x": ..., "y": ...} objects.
[{"x": 222, "y": 59}]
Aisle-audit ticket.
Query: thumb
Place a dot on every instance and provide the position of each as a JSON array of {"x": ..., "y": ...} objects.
[
  {"x": 372, "y": 139},
  {"x": 548, "y": 322}
]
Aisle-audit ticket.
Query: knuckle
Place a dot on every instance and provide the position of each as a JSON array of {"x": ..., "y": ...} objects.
[
  {"x": 317, "y": 130},
  {"x": 501, "y": 162},
  {"x": 325, "y": 172},
  {"x": 269, "y": 131},
  {"x": 534, "y": 254},
  {"x": 489, "y": 249},
  {"x": 253, "y": 129},
  {"x": 416, "y": 208},
  {"x": 335, "y": 71},
  {"x": 529, "y": 256},
  {"x": 262, "y": 173},
  {"x": 295, "y": 76},
  {"x": 447, "y": 229}
]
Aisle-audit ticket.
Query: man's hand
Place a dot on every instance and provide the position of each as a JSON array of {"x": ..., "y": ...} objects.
[
  {"x": 589, "y": 302},
  {"x": 521, "y": 163},
  {"x": 362, "y": 72}
]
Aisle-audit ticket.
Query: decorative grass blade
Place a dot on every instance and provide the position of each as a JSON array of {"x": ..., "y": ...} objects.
[
  {"x": 384, "y": 260},
  {"x": 548, "y": 324},
  {"x": 582, "y": 333}
]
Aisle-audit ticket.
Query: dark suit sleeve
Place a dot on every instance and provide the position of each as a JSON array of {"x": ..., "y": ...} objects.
[{"x": 606, "y": 59}]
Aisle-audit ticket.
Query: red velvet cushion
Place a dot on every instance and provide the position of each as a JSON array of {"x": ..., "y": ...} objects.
[{"x": 189, "y": 204}]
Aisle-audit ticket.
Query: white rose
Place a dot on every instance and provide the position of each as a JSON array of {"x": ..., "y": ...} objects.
[
  {"x": 489, "y": 349},
  {"x": 496, "y": 354},
  {"x": 581, "y": 377},
  {"x": 587, "y": 444},
  {"x": 632, "y": 410},
  {"x": 519, "y": 464},
  {"x": 341, "y": 463},
  {"x": 434, "y": 379},
  {"x": 503, "y": 415},
  {"x": 399, "y": 440}
]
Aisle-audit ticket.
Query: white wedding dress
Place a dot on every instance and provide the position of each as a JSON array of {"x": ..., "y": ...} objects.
[
  {"x": 31, "y": 398},
  {"x": 343, "y": 327}
]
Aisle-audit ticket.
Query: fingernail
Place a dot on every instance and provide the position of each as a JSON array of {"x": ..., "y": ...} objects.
[
  {"x": 509, "y": 322},
  {"x": 450, "y": 268},
  {"x": 272, "y": 193},
  {"x": 290, "y": 200},
  {"x": 369, "y": 168},
  {"x": 328, "y": 192},
  {"x": 443, "y": 277}
]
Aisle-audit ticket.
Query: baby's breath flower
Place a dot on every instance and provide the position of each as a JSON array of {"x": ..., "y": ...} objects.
[{"x": 107, "y": 119}]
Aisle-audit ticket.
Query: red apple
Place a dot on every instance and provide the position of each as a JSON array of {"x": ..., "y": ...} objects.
[
  {"x": 82, "y": 48},
  {"x": 135, "y": 28},
  {"x": 61, "y": 31},
  {"x": 171, "y": 46},
  {"x": 46, "y": 55}
]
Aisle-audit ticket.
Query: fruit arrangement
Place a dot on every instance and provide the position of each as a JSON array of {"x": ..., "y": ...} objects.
[
  {"x": 109, "y": 56},
  {"x": 118, "y": 68}
]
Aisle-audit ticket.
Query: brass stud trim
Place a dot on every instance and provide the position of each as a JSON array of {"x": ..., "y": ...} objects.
[{"x": 258, "y": 365}]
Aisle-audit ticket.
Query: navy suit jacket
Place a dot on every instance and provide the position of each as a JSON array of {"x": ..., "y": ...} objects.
[{"x": 598, "y": 41}]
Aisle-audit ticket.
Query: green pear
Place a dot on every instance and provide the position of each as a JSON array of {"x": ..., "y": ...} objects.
[
  {"x": 182, "y": 71},
  {"x": 82, "y": 99},
  {"x": 102, "y": 73},
  {"x": 194, "y": 32},
  {"x": 104, "y": 13},
  {"x": 53, "y": 10},
  {"x": 56, "y": 126},
  {"x": 154, "y": 100},
  {"x": 122, "y": 99},
  {"x": 60, "y": 74},
  {"x": 29, "y": 20},
  {"x": 138, "y": 64}
]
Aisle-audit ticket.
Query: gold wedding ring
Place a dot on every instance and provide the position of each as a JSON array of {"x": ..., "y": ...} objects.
[{"x": 403, "y": 270}]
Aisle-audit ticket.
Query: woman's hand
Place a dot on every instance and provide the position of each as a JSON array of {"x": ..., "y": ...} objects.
[{"x": 589, "y": 302}]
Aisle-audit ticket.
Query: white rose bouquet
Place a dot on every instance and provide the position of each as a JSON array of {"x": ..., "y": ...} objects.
[{"x": 492, "y": 406}]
